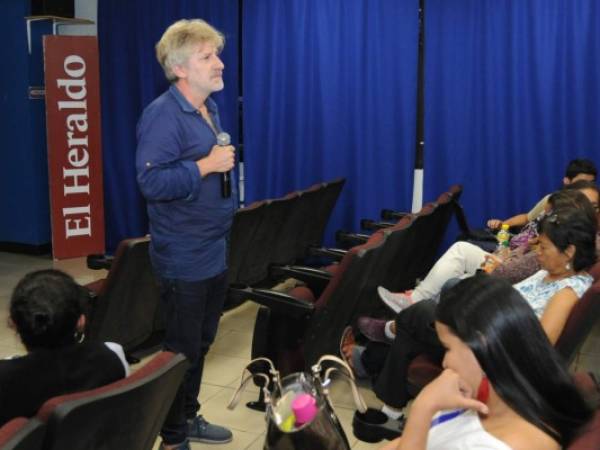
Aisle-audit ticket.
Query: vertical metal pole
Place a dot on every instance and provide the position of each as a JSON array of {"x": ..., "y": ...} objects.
[
  {"x": 240, "y": 150},
  {"x": 417, "y": 201}
]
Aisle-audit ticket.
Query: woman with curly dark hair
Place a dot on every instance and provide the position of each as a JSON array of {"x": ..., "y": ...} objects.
[{"x": 46, "y": 310}]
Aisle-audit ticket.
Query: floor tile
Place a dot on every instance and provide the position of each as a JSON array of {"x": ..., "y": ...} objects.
[
  {"x": 241, "y": 440},
  {"x": 257, "y": 444},
  {"x": 360, "y": 445},
  {"x": 233, "y": 343},
  {"x": 241, "y": 418},
  {"x": 240, "y": 319},
  {"x": 220, "y": 370}
]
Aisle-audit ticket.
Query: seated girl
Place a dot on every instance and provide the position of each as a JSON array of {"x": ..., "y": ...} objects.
[
  {"x": 503, "y": 385},
  {"x": 46, "y": 310}
]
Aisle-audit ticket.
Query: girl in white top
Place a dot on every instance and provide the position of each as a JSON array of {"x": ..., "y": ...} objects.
[{"x": 503, "y": 387}]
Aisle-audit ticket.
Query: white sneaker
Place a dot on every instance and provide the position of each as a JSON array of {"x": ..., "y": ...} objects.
[{"x": 395, "y": 301}]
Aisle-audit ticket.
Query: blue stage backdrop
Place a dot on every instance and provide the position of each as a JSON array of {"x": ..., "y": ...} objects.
[
  {"x": 512, "y": 94},
  {"x": 131, "y": 78},
  {"x": 330, "y": 91}
]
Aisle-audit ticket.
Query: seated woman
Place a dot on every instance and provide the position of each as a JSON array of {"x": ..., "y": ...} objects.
[
  {"x": 463, "y": 259},
  {"x": 46, "y": 310},
  {"x": 495, "y": 392},
  {"x": 566, "y": 248}
]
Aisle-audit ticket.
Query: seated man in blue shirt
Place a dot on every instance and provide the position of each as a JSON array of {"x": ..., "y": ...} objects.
[{"x": 179, "y": 169}]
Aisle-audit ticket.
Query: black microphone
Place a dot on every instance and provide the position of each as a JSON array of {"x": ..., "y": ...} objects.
[{"x": 223, "y": 139}]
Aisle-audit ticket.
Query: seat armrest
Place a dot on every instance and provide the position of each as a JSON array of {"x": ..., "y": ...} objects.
[
  {"x": 368, "y": 224},
  {"x": 334, "y": 253},
  {"x": 316, "y": 279},
  {"x": 342, "y": 236},
  {"x": 98, "y": 262},
  {"x": 277, "y": 301},
  {"x": 390, "y": 214}
]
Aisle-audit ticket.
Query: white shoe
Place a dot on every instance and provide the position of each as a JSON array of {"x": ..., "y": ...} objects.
[{"x": 395, "y": 301}]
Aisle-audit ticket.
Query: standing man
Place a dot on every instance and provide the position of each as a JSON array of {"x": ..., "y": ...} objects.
[{"x": 179, "y": 167}]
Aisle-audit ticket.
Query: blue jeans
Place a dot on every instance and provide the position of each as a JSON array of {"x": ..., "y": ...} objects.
[{"x": 192, "y": 313}]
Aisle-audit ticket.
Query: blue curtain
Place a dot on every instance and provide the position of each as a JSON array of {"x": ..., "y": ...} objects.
[
  {"x": 329, "y": 91},
  {"x": 131, "y": 78},
  {"x": 512, "y": 94}
]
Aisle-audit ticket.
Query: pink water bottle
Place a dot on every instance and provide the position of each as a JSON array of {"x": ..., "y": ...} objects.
[{"x": 305, "y": 408}]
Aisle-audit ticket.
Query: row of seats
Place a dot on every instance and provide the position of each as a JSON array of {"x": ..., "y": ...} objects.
[
  {"x": 295, "y": 329},
  {"x": 278, "y": 232},
  {"x": 126, "y": 414},
  {"x": 125, "y": 306}
]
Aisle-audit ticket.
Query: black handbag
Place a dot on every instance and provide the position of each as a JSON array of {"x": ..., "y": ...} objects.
[{"x": 320, "y": 428}]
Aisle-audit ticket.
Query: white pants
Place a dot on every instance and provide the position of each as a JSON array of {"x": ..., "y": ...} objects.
[{"x": 460, "y": 261}]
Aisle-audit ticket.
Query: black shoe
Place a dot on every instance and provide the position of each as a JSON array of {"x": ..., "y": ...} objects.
[{"x": 373, "y": 426}]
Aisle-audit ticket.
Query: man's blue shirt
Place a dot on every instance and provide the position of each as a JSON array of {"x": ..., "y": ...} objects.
[{"x": 189, "y": 218}]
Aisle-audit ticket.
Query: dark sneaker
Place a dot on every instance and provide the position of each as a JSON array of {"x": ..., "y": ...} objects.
[
  {"x": 184, "y": 446},
  {"x": 373, "y": 329},
  {"x": 199, "y": 430}
]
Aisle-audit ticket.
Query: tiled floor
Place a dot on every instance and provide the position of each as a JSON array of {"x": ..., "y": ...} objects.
[{"x": 225, "y": 361}]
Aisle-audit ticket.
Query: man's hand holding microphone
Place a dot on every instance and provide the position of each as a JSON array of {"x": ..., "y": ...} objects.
[{"x": 220, "y": 159}]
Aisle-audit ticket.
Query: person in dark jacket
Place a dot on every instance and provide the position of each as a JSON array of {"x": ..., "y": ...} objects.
[{"x": 46, "y": 311}]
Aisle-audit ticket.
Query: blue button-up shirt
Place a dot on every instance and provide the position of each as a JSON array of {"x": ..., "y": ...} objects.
[{"x": 189, "y": 218}]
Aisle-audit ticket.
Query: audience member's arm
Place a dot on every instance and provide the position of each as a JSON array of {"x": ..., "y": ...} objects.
[
  {"x": 521, "y": 219},
  {"x": 516, "y": 221},
  {"x": 557, "y": 312}
]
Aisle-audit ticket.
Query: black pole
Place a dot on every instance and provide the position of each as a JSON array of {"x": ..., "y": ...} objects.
[
  {"x": 418, "y": 172},
  {"x": 240, "y": 149},
  {"x": 420, "y": 136}
]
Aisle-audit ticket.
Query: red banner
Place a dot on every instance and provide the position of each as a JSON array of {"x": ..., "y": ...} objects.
[{"x": 74, "y": 147}]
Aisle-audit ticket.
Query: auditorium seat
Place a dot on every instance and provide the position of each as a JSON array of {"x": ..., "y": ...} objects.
[
  {"x": 263, "y": 245},
  {"x": 243, "y": 228},
  {"x": 430, "y": 229},
  {"x": 125, "y": 306},
  {"x": 22, "y": 433},
  {"x": 286, "y": 320},
  {"x": 126, "y": 414},
  {"x": 275, "y": 233},
  {"x": 296, "y": 329},
  {"x": 330, "y": 193},
  {"x": 590, "y": 435}
]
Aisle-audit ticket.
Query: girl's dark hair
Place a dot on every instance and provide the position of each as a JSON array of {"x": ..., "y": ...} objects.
[
  {"x": 45, "y": 307},
  {"x": 573, "y": 226},
  {"x": 506, "y": 337}
]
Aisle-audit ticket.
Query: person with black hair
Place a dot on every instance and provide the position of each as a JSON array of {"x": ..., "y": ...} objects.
[
  {"x": 577, "y": 169},
  {"x": 463, "y": 259},
  {"x": 580, "y": 169},
  {"x": 566, "y": 250},
  {"x": 495, "y": 392},
  {"x": 46, "y": 311}
]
